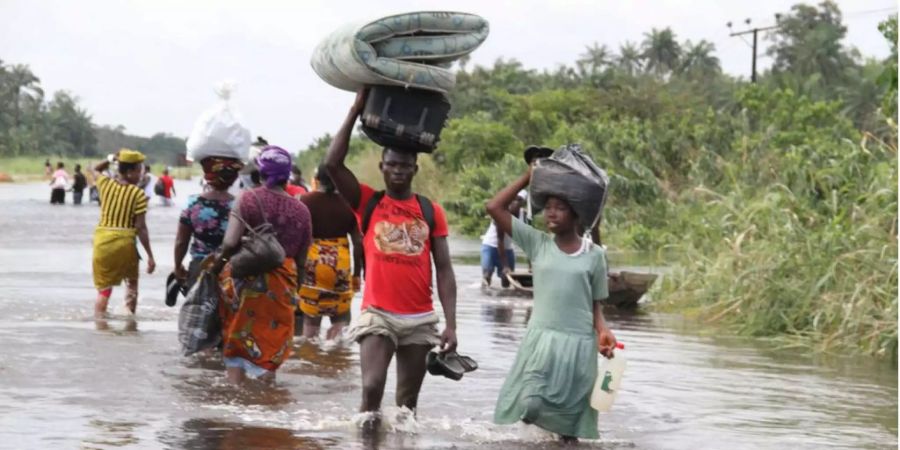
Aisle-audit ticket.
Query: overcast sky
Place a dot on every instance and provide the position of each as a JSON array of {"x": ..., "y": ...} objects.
[{"x": 151, "y": 65}]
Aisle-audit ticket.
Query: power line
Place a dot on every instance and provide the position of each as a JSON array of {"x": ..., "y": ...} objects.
[
  {"x": 850, "y": 14},
  {"x": 754, "y": 31},
  {"x": 870, "y": 11}
]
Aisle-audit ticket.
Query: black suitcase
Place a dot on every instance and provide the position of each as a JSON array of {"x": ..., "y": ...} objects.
[{"x": 405, "y": 119}]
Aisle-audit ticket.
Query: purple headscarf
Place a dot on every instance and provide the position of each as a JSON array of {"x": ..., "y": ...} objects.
[{"x": 274, "y": 164}]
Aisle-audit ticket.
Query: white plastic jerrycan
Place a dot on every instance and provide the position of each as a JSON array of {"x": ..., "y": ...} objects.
[{"x": 609, "y": 377}]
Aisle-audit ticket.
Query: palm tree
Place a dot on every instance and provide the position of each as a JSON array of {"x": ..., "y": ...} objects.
[
  {"x": 661, "y": 51},
  {"x": 629, "y": 59},
  {"x": 22, "y": 82},
  {"x": 699, "y": 59},
  {"x": 594, "y": 59},
  {"x": 563, "y": 77}
]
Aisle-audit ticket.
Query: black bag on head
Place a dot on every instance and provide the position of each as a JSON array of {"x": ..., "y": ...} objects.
[
  {"x": 571, "y": 175},
  {"x": 405, "y": 119},
  {"x": 260, "y": 250}
]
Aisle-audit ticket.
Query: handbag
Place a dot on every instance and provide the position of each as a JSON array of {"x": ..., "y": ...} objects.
[
  {"x": 260, "y": 250},
  {"x": 159, "y": 188},
  {"x": 199, "y": 326}
]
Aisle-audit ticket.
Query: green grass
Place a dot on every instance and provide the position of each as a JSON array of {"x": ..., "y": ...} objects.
[
  {"x": 26, "y": 168},
  {"x": 814, "y": 273},
  {"x": 33, "y": 166}
]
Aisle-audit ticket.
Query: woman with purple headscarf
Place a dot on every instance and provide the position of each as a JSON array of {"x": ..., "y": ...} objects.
[{"x": 258, "y": 311}]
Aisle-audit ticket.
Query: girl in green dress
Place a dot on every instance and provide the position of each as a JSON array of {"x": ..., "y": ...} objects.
[{"x": 552, "y": 377}]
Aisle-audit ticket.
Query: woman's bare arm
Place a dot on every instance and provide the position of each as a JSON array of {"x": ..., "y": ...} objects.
[{"x": 498, "y": 207}]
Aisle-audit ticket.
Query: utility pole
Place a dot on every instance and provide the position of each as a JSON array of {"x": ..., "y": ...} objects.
[{"x": 754, "y": 31}]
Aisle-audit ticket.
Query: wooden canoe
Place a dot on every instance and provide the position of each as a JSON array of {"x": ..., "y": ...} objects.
[{"x": 625, "y": 288}]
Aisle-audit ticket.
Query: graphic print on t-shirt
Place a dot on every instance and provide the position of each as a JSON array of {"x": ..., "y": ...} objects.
[{"x": 405, "y": 238}]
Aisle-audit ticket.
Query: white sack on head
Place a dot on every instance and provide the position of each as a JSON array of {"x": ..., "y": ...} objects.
[{"x": 218, "y": 131}]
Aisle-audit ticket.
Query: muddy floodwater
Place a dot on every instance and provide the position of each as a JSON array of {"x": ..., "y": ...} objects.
[{"x": 67, "y": 382}]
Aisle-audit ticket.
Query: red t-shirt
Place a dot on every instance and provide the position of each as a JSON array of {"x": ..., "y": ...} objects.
[
  {"x": 294, "y": 190},
  {"x": 167, "y": 182},
  {"x": 398, "y": 253}
]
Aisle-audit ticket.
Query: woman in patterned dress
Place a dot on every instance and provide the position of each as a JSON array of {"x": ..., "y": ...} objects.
[{"x": 203, "y": 222}]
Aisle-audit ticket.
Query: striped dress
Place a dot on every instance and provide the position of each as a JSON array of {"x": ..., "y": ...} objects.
[
  {"x": 119, "y": 203},
  {"x": 115, "y": 253}
]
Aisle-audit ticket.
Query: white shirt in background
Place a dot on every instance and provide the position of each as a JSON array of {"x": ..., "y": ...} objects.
[
  {"x": 490, "y": 237},
  {"x": 148, "y": 189}
]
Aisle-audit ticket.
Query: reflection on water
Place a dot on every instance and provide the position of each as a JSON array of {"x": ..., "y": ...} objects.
[
  {"x": 322, "y": 362},
  {"x": 496, "y": 313},
  {"x": 67, "y": 381},
  {"x": 211, "y": 434},
  {"x": 130, "y": 326},
  {"x": 112, "y": 434}
]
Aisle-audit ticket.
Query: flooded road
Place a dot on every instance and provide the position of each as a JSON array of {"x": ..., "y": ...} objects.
[{"x": 67, "y": 383}]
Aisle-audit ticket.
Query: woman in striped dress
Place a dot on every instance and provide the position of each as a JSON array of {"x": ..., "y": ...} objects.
[{"x": 123, "y": 208}]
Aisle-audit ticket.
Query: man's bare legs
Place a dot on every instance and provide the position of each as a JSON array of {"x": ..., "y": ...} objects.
[
  {"x": 375, "y": 353},
  {"x": 411, "y": 362}
]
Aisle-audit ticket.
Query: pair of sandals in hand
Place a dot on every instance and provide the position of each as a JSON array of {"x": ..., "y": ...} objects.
[{"x": 450, "y": 364}]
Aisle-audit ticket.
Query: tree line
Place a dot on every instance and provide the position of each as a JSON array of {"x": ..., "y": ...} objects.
[{"x": 31, "y": 123}]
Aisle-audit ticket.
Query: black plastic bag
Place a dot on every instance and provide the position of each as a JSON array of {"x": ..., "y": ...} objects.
[
  {"x": 571, "y": 175},
  {"x": 199, "y": 325}
]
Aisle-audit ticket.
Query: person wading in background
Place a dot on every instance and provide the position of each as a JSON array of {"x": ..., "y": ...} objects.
[
  {"x": 497, "y": 254},
  {"x": 58, "y": 182},
  {"x": 168, "y": 187},
  {"x": 79, "y": 185}
]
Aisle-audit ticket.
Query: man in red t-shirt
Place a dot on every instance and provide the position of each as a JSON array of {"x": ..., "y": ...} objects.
[
  {"x": 168, "y": 185},
  {"x": 397, "y": 311}
]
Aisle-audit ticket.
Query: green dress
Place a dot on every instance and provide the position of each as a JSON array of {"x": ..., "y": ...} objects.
[{"x": 552, "y": 377}]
